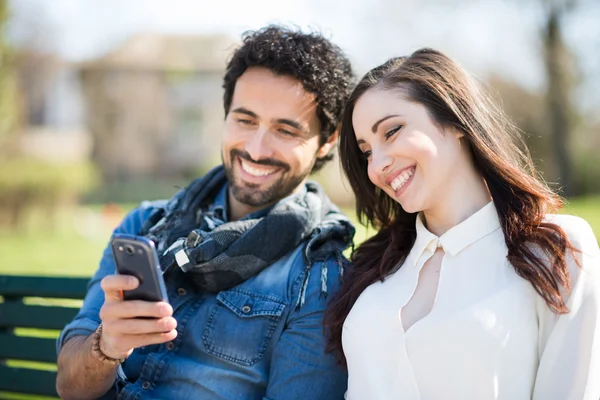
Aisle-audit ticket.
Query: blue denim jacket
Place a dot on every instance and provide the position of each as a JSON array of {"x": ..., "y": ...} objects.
[{"x": 249, "y": 342}]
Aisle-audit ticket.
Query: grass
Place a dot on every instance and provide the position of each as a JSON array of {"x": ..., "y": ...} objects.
[
  {"x": 74, "y": 247},
  {"x": 45, "y": 254},
  {"x": 71, "y": 247},
  {"x": 14, "y": 396},
  {"x": 587, "y": 208}
]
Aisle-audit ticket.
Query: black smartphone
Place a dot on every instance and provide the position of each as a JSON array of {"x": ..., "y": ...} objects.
[{"x": 137, "y": 256}]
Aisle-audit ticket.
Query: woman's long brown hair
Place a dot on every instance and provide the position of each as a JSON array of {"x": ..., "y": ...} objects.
[{"x": 453, "y": 99}]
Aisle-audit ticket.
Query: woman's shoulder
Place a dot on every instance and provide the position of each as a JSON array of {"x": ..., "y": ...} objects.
[
  {"x": 584, "y": 262},
  {"x": 578, "y": 230}
]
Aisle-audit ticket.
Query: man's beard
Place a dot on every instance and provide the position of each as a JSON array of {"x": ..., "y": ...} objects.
[{"x": 250, "y": 194}]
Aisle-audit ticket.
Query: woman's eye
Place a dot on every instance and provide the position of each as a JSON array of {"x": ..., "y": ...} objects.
[{"x": 390, "y": 133}]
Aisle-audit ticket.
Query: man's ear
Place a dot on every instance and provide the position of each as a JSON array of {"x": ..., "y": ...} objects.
[{"x": 328, "y": 145}]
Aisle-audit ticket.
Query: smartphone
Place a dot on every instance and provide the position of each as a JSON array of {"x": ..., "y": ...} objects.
[{"x": 137, "y": 256}]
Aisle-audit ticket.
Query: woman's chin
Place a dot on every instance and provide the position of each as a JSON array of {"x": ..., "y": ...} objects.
[{"x": 410, "y": 207}]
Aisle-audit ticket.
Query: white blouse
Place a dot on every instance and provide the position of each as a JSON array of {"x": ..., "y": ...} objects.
[{"x": 489, "y": 335}]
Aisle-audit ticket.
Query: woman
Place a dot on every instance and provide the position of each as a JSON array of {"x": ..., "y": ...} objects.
[{"x": 471, "y": 289}]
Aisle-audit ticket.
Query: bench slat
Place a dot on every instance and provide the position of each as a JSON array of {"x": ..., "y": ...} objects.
[
  {"x": 36, "y": 286},
  {"x": 19, "y": 315},
  {"x": 15, "y": 314},
  {"x": 27, "y": 348},
  {"x": 30, "y": 381}
]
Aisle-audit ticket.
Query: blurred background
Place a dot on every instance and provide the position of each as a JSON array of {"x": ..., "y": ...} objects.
[{"x": 107, "y": 103}]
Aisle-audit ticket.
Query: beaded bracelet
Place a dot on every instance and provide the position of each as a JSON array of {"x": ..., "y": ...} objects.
[{"x": 99, "y": 354}]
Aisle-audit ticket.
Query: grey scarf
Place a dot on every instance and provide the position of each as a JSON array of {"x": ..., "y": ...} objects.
[{"x": 221, "y": 258}]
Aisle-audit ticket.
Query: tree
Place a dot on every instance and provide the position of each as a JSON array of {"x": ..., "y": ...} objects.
[
  {"x": 25, "y": 182},
  {"x": 559, "y": 64},
  {"x": 9, "y": 100}
]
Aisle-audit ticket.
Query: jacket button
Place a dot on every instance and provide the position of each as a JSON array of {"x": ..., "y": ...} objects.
[
  {"x": 246, "y": 309},
  {"x": 146, "y": 385},
  {"x": 170, "y": 346},
  {"x": 181, "y": 291}
]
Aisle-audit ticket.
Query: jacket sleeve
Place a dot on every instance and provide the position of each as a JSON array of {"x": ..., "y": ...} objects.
[{"x": 87, "y": 319}]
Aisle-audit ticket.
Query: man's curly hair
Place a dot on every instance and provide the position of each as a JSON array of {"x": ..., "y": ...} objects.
[{"x": 318, "y": 64}]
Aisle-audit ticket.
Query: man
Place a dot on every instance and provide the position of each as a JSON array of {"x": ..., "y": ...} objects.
[{"x": 249, "y": 251}]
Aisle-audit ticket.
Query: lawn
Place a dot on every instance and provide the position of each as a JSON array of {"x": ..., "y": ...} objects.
[
  {"x": 76, "y": 252},
  {"x": 587, "y": 208}
]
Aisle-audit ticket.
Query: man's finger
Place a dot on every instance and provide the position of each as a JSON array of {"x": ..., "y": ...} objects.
[
  {"x": 138, "y": 326},
  {"x": 136, "y": 309},
  {"x": 113, "y": 286}
]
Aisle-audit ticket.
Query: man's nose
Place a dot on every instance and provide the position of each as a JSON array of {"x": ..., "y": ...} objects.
[{"x": 260, "y": 145}]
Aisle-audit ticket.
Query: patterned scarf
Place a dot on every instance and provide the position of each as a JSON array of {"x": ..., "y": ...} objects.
[{"x": 221, "y": 258}]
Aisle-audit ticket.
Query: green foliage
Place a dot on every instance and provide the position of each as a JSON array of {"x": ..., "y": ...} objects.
[
  {"x": 134, "y": 191},
  {"x": 588, "y": 177},
  {"x": 27, "y": 184},
  {"x": 42, "y": 177},
  {"x": 9, "y": 106},
  {"x": 9, "y": 95}
]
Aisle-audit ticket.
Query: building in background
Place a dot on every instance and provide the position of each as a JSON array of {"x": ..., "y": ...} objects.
[
  {"x": 52, "y": 124},
  {"x": 153, "y": 106}
]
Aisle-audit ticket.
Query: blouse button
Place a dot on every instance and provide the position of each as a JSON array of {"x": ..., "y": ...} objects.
[
  {"x": 146, "y": 385},
  {"x": 246, "y": 309}
]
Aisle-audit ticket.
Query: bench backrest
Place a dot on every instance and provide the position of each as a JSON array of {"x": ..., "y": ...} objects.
[{"x": 31, "y": 316}]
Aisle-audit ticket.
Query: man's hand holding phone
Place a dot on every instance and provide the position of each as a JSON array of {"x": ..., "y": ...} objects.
[
  {"x": 135, "y": 312},
  {"x": 129, "y": 324}
]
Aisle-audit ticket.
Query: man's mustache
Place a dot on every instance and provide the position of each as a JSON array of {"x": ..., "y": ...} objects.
[{"x": 269, "y": 162}]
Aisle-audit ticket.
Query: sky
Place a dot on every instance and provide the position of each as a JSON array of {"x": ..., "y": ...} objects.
[{"x": 486, "y": 36}]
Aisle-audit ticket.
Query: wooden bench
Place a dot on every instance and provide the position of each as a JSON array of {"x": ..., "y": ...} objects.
[{"x": 31, "y": 317}]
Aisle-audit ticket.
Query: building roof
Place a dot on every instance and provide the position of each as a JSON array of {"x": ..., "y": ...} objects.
[{"x": 158, "y": 52}]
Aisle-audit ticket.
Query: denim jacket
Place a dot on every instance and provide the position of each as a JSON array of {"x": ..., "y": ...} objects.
[{"x": 255, "y": 341}]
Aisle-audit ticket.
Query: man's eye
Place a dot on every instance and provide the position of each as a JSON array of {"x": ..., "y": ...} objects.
[
  {"x": 244, "y": 121},
  {"x": 286, "y": 132}
]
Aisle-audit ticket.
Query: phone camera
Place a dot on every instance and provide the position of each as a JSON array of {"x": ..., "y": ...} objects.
[{"x": 129, "y": 249}]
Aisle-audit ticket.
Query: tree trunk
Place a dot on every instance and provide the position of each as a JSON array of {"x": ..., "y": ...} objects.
[{"x": 558, "y": 100}]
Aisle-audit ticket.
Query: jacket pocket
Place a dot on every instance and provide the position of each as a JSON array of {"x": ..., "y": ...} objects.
[{"x": 240, "y": 325}]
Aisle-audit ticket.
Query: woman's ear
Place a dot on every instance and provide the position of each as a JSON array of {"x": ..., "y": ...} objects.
[
  {"x": 455, "y": 133},
  {"x": 328, "y": 145}
]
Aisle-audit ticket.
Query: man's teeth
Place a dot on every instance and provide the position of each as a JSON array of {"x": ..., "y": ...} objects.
[
  {"x": 402, "y": 179},
  {"x": 256, "y": 171}
]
